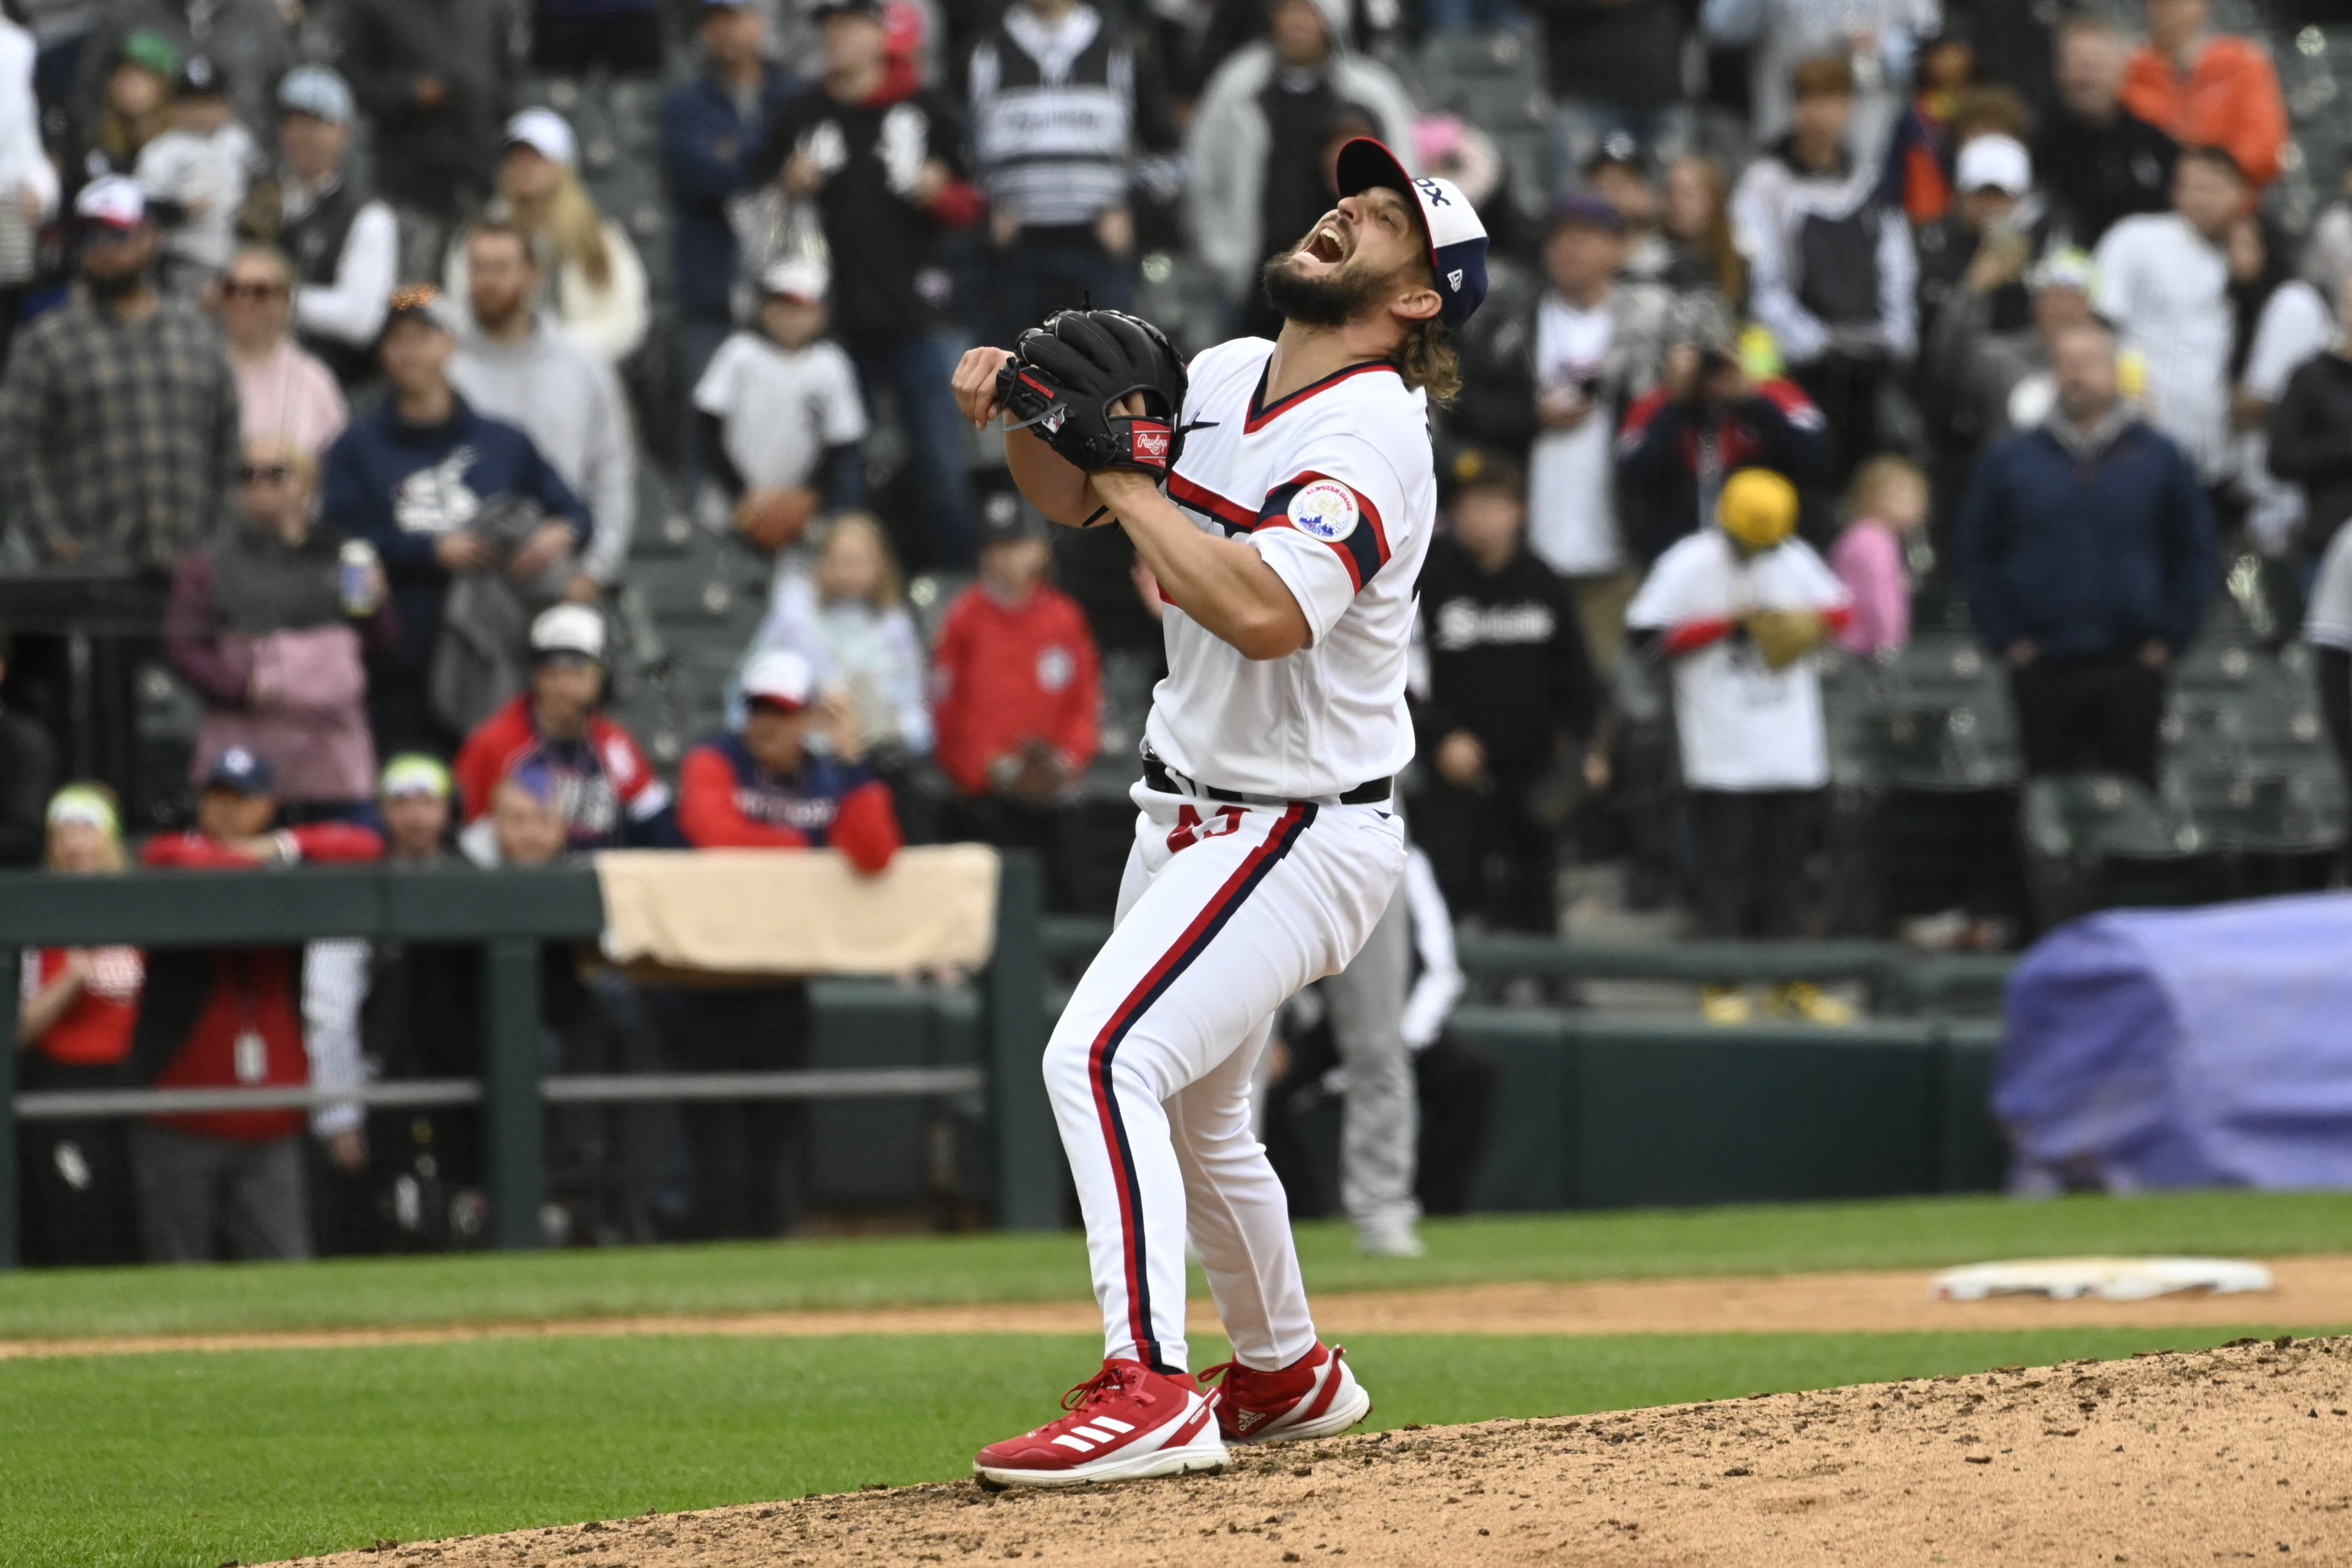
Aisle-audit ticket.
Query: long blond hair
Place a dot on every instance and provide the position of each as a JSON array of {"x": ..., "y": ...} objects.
[
  {"x": 569, "y": 225},
  {"x": 891, "y": 586},
  {"x": 1426, "y": 360}
]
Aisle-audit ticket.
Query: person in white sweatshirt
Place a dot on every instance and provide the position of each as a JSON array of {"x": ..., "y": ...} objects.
[
  {"x": 28, "y": 184},
  {"x": 201, "y": 166},
  {"x": 514, "y": 363}
]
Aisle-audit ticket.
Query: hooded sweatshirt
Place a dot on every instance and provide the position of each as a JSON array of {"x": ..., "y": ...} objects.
[
  {"x": 1790, "y": 221},
  {"x": 569, "y": 401}
]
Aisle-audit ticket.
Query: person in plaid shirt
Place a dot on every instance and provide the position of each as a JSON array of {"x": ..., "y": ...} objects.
[{"x": 120, "y": 409}]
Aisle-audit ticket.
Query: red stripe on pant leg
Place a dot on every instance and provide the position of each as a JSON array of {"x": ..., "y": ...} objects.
[{"x": 1276, "y": 843}]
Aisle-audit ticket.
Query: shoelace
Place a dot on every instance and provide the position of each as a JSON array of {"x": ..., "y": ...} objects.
[
  {"x": 1221, "y": 1372},
  {"x": 1110, "y": 1381}
]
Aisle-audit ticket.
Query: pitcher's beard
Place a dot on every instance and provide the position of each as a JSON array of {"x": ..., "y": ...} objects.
[{"x": 1331, "y": 301}]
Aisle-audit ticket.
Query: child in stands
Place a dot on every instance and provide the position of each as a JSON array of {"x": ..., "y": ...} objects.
[{"x": 1885, "y": 505}]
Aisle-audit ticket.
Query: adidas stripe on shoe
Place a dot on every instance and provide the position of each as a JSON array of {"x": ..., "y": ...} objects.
[
  {"x": 1126, "y": 1423},
  {"x": 1315, "y": 1396}
]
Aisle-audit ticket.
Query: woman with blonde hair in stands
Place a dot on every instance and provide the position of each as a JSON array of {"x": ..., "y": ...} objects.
[
  {"x": 74, "y": 1015},
  {"x": 1698, "y": 226},
  {"x": 842, "y": 610},
  {"x": 594, "y": 283},
  {"x": 284, "y": 392}
]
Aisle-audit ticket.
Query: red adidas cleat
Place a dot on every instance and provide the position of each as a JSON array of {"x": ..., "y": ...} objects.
[
  {"x": 1125, "y": 1423},
  {"x": 1314, "y": 1396}
]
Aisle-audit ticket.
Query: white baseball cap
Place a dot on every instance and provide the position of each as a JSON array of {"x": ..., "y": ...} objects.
[
  {"x": 546, "y": 133},
  {"x": 568, "y": 629},
  {"x": 1994, "y": 162},
  {"x": 802, "y": 278},
  {"x": 112, "y": 200},
  {"x": 782, "y": 677}
]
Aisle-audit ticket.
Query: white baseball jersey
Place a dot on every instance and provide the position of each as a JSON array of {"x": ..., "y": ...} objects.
[{"x": 1334, "y": 485}]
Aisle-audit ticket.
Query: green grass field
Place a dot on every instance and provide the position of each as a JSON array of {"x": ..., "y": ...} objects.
[{"x": 195, "y": 1459}]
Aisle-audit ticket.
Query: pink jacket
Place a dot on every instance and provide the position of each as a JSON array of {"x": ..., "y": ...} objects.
[{"x": 1868, "y": 559}]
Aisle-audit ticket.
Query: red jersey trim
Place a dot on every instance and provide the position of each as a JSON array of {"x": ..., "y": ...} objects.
[
  {"x": 1365, "y": 550},
  {"x": 1260, "y": 418},
  {"x": 1200, "y": 498}
]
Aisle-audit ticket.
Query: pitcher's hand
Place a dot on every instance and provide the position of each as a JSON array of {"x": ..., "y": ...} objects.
[{"x": 975, "y": 384}]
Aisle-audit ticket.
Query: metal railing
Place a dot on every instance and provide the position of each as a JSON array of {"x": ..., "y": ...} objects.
[{"x": 510, "y": 914}]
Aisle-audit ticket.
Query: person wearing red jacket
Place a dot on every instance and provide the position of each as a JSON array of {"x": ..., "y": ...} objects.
[
  {"x": 232, "y": 1017},
  {"x": 608, "y": 791},
  {"x": 2204, "y": 91},
  {"x": 1016, "y": 693},
  {"x": 764, "y": 788}
]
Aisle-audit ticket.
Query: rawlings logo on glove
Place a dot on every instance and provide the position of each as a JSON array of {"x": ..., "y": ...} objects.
[{"x": 1067, "y": 378}]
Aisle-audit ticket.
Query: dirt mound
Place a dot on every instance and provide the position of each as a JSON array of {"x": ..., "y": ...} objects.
[{"x": 2211, "y": 1456}]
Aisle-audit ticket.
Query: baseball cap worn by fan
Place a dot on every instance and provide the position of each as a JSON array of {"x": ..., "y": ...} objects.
[
  {"x": 1588, "y": 212},
  {"x": 1994, "y": 162},
  {"x": 200, "y": 78},
  {"x": 413, "y": 772},
  {"x": 243, "y": 770},
  {"x": 781, "y": 678},
  {"x": 802, "y": 278},
  {"x": 1457, "y": 240},
  {"x": 113, "y": 202},
  {"x": 1006, "y": 519},
  {"x": 319, "y": 92},
  {"x": 545, "y": 132},
  {"x": 568, "y": 631}
]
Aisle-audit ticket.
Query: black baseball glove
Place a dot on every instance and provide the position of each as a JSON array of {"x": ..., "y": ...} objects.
[{"x": 1066, "y": 377}]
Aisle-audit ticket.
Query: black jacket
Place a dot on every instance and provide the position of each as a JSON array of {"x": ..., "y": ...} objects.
[
  {"x": 440, "y": 158},
  {"x": 2095, "y": 174},
  {"x": 2311, "y": 444},
  {"x": 28, "y": 770},
  {"x": 1506, "y": 658},
  {"x": 1674, "y": 454}
]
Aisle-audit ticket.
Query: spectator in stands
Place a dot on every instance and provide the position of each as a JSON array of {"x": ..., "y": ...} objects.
[
  {"x": 1015, "y": 698},
  {"x": 845, "y": 616},
  {"x": 1511, "y": 701},
  {"x": 1616, "y": 67},
  {"x": 1597, "y": 344},
  {"x": 2164, "y": 282},
  {"x": 418, "y": 477},
  {"x": 1740, "y": 609},
  {"x": 513, "y": 362},
  {"x": 118, "y": 409},
  {"x": 1696, "y": 226},
  {"x": 75, "y": 1009},
  {"x": 1707, "y": 417},
  {"x": 432, "y": 77},
  {"x": 1996, "y": 217},
  {"x": 197, "y": 170},
  {"x": 1993, "y": 382},
  {"x": 29, "y": 766},
  {"x": 2279, "y": 322},
  {"x": 263, "y": 627},
  {"x": 2099, "y": 162},
  {"x": 1256, "y": 141},
  {"x": 1919, "y": 155},
  {"x": 2327, "y": 627},
  {"x": 2327, "y": 256},
  {"x": 765, "y": 787},
  {"x": 1619, "y": 175},
  {"x": 421, "y": 1017},
  {"x": 1061, "y": 103},
  {"x": 2310, "y": 430},
  {"x": 881, "y": 156},
  {"x": 28, "y": 182},
  {"x": 1831, "y": 263},
  {"x": 1885, "y": 506},
  {"x": 607, "y": 791},
  {"x": 250, "y": 40},
  {"x": 2205, "y": 90},
  {"x": 2088, "y": 545},
  {"x": 234, "y": 1180},
  {"x": 589, "y": 274},
  {"x": 712, "y": 131},
  {"x": 283, "y": 392},
  {"x": 573, "y": 37},
  {"x": 1879, "y": 37},
  {"x": 778, "y": 417},
  {"x": 343, "y": 242},
  {"x": 137, "y": 105}
]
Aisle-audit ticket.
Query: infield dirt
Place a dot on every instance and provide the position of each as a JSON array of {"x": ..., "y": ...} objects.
[{"x": 2218, "y": 1456}]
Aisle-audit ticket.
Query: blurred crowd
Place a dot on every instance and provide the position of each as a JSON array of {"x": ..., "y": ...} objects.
[{"x": 1801, "y": 310}]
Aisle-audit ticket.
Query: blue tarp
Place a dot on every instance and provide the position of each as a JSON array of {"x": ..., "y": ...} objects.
[{"x": 2185, "y": 1049}]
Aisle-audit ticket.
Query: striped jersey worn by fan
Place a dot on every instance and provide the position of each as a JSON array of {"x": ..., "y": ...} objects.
[{"x": 1334, "y": 485}]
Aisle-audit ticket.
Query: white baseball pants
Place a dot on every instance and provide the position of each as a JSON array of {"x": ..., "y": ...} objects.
[{"x": 1226, "y": 911}]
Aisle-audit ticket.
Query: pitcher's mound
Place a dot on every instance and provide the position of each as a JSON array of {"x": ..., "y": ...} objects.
[{"x": 2211, "y": 1457}]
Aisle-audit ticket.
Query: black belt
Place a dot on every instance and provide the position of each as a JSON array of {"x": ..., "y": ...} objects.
[{"x": 1156, "y": 775}]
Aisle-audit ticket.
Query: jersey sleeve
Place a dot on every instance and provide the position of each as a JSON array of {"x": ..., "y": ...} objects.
[
  {"x": 1327, "y": 530},
  {"x": 844, "y": 417},
  {"x": 717, "y": 392},
  {"x": 1664, "y": 597}
]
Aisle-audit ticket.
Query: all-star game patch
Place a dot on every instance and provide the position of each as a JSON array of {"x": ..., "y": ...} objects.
[{"x": 1326, "y": 509}]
